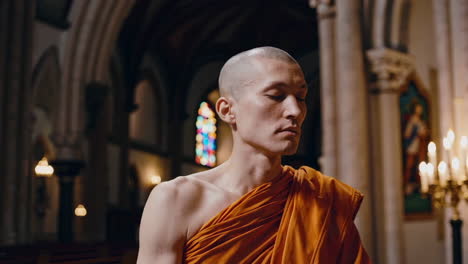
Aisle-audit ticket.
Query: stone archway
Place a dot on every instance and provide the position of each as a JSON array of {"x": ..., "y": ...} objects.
[{"x": 87, "y": 50}]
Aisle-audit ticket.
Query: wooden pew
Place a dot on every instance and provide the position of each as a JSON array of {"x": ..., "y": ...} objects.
[
  {"x": 18, "y": 255},
  {"x": 98, "y": 260},
  {"x": 60, "y": 254}
]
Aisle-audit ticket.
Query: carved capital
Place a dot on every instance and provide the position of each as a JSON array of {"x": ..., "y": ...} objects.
[
  {"x": 68, "y": 145},
  {"x": 390, "y": 69},
  {"x": 325, "y": 8}
]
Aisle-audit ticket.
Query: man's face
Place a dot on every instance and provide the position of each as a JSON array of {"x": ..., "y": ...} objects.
[{"x": 271, "y": 109}]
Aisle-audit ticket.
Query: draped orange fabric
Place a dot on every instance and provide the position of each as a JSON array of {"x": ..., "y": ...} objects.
[{"x": 299, "y": 217}]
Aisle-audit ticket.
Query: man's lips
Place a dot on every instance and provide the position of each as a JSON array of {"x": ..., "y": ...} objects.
[{"x": 290, "y": 130}]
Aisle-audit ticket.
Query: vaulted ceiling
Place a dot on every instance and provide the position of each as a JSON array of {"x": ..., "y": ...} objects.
[{"x": 181, "y": 32}]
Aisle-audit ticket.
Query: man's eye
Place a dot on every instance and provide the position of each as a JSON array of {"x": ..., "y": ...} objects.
[
  {"x": 276, "y": 97},
  {"x": 301, "y": 99}
]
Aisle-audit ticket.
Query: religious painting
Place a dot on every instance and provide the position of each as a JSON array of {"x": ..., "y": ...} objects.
[{"x": 415, "y": 134}]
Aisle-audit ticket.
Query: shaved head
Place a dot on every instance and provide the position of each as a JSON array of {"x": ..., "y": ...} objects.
[{"x": 239, "y": 71}]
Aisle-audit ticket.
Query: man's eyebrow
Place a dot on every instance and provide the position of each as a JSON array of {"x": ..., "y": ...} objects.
[
  {"x": 281, "y": 85},
  {"x": 274, "y": 85}
]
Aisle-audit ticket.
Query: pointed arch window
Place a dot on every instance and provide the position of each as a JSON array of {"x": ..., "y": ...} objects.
[{"x": 205, "y": 147}]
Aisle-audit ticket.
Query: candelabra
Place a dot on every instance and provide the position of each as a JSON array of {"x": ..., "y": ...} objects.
[{"x": 447, "y": 183}]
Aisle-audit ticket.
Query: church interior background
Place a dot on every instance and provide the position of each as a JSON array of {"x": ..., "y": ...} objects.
[{"x": 117, "y": 96}]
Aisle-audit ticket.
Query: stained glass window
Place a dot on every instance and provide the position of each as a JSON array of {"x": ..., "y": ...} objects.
[{"x": 205, "y": 148}]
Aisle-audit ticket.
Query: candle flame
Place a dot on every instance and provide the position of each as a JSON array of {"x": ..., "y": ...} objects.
[
  {"x": 432, "y": 147},
  {"x": 464, "y": 142},
  {"x": 447, "y": 144},
  {"x": 442, "y": 167},
  {"x": 451, "y": 136},
  {"x": 422, "y": 167}
]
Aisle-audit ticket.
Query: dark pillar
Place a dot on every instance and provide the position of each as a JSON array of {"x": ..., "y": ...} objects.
[
  {"x": 16, "y": 28},
  {"x": 96, "y": 179},
  {"x": 66, "y": 171},
  {"x": 456, "y": 240},
  {"x": 124, "y": 140}
]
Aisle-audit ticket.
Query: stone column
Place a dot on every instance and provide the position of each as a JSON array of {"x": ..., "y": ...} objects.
[
  {"x": 459, "y": 47},
  {"x": 124, "y": 158},
  {"x": 390, "y": 70},
  {"x": 326, "y": 17},
  {"x": 16, "y": 27},
  {"x": 69, "y": 150},
  {"x": 442, "y": 38},
  {"x": 352, "y": 113},
  {"x": 444, "y": 64},
  {"x": 95, "y": 181},
  {"x": 66, "y": 171}
]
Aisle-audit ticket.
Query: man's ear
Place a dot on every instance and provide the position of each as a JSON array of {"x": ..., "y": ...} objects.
[{"x": 224, "y": 108}]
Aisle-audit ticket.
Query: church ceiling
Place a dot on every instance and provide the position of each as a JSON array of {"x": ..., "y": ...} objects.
[{"x": 180, "y": 32}]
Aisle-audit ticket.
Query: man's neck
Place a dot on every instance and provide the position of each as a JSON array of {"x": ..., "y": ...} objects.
[{"x": 247, "y": 168}]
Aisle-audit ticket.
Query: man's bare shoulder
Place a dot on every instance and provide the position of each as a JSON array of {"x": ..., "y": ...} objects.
[
  {"x": 191, "y": 182},
  {"x": 183, "y": 191},
  {"x": 163, "y": 230}
]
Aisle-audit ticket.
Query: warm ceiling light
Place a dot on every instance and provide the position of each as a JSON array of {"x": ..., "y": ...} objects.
[
  {"x": 43, "y": 169},
  {"x": 80, "y": 210},
  {"x": 155, "y": 179}
]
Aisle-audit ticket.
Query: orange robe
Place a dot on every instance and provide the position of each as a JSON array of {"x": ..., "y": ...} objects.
[{"x": 299, "y": 217}]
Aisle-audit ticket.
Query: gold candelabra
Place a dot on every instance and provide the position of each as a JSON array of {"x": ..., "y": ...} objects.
[{"x": 447, "y": 182}]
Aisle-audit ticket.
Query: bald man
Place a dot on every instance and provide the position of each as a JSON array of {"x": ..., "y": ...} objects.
[{"x": 251, "y": 208}]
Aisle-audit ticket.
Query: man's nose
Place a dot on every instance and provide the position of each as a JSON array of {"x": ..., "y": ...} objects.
[{"x": 293, "y": 107}]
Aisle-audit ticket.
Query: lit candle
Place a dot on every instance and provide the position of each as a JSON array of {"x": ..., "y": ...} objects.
[
  {"x": 448, "y": 149},
  {"x": 423, "y": 177},
  {"x": 464, "y": 156},
  {"x": 442, "y": 168},
  {"x": 456, "y": 170},
  {"x": 451, "y": 136},
  {"x": 451, "y": 139},
  {"x": 430, "y": 173},
  {"x": 447, "y": 143},
  {"x": 432, "y": 152}
]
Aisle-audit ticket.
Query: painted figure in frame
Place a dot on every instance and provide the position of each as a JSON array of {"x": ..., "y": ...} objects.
[{"x": 415, "y": 132}]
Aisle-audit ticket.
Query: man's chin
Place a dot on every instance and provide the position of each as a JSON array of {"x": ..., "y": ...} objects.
[
  {"x": 290, "y": 150},
  {"x": 282, "y": 149}
]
